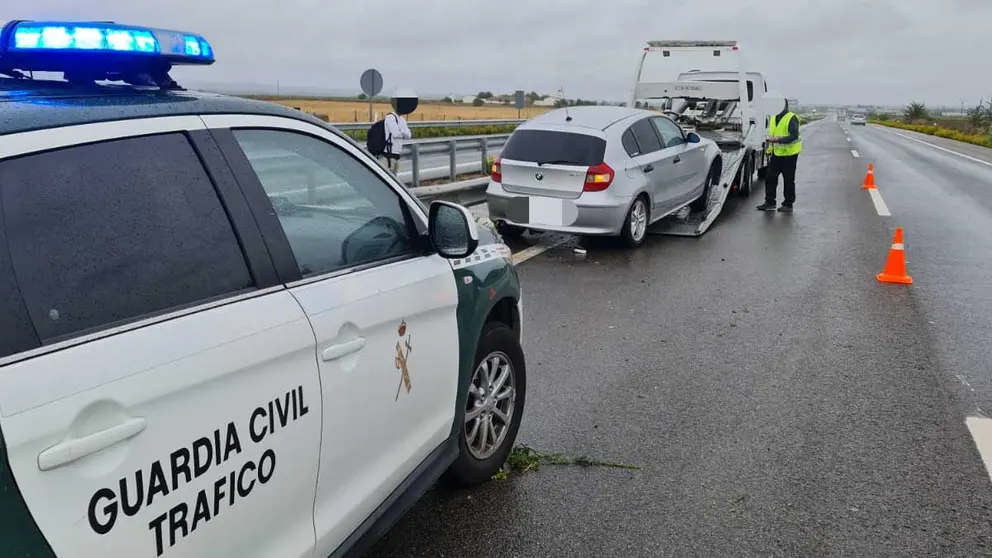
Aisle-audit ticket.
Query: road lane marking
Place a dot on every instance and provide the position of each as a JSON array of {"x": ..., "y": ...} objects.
[
  {"x": 534, "y": 251},
  {"x": 981, "y": 433},
  {"x": 880, "y": 207},
  {"x": 855, "y": 153},
  {"x": 951, "y": 151}
]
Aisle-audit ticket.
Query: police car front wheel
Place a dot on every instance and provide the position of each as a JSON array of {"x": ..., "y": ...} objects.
[{"x": 493, "y": 408}]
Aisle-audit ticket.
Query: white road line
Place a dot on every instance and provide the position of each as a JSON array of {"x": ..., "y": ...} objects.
[
  {"x": 951, "y": 151},
  {"x": 981, "y": 432},
  {"x": 533, "y": 251},
  {"x": 848, "y": 140},
  {"x": 880, "y": 207},
  {"x": 855, "y": 153}
]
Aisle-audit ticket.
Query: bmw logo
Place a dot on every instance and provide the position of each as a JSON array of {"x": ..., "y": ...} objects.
[{"x": 539, "y": 176}]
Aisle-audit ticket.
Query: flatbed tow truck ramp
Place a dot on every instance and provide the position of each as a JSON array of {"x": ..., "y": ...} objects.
[{"x": 710, "y": 104}]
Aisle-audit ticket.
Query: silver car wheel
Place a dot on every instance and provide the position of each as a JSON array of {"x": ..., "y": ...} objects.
[
  {"x": 492, "y": 395},
  {"x": 638, "y": 220}
]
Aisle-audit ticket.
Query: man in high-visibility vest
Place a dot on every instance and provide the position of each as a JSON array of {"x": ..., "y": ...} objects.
[{"x": 784, "y": 147}]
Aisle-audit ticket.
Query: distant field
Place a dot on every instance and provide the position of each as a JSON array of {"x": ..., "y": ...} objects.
[{"x": 358, "y": 111}]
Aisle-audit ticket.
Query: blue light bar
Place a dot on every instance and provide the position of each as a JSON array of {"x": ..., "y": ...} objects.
[{"x": 19, "y": 40}]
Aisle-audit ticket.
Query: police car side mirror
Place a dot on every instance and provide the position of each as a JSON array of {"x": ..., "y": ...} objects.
[
  {"x": 452, "y": 230},
  {"x": 692, "y": 137}
]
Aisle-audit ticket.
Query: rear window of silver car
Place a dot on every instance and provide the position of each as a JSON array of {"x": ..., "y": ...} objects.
[{"x": 553, "y": 147}]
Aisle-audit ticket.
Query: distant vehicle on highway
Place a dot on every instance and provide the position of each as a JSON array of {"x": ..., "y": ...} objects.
[
  {"x": 599, "y": 171},
  {"x": 226, "y": 329},
  {"x": 858, "y": 120}
]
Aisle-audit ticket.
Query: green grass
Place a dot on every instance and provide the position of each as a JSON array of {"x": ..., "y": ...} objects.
[
  {"x": 524, "y": 458},
  {"x": 938, "y": 131}
]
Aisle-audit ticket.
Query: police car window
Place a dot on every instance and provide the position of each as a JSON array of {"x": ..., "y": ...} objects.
[
  {"x": 336, "y": 212},
  {"x": 18, "y": 332},
  {"x": 104, "y": 233},
  {"x": 671, "y": 134}
]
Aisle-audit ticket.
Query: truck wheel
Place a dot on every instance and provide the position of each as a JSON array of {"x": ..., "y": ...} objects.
[
  {"x": 493, "y": 409},
  {"x": 712, "y": 181},
  {"x": 635, "y": 225},
  {"x": 747, "y": 176}
]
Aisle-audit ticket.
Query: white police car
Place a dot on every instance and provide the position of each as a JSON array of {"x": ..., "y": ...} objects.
[{"x": 226, "y": 331}]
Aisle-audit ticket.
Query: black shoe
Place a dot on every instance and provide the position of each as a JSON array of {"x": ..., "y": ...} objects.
[
  {"x": 766, "y": 207},
  {"x": 786, "y": 208}
]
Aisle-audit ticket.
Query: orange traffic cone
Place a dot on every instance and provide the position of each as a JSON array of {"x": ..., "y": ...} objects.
[
  {"x": 895, "y": 265},
  {"x": 869, "y": 178}
]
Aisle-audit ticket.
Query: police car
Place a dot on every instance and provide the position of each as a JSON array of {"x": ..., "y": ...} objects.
[{"x": 226, "y": 330}]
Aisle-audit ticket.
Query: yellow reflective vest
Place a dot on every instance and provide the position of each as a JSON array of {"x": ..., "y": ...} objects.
[{"x": 780, "y": 129}]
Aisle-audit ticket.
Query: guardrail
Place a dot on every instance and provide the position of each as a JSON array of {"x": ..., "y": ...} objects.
[
  {"x": 424, "y": 156},
  {"x": 352, "y": 126}
]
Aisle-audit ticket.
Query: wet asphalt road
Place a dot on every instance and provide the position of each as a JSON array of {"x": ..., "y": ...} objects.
[
  {"x": 778, "y": 401},
  {"x": 944, "y": 203}
]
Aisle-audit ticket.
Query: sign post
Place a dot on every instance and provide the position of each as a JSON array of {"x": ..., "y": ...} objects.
[
  {"x": 371, "y": 83},
  {"x": 519, "y": 101}
]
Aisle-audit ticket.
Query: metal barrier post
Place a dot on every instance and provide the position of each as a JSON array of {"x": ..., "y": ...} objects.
[
  {"x": 311, "y": 188},
  {"x": 484, "y": 147},
  {"x": 452, "y": 161},
  {"x": 415, "y": 160}
]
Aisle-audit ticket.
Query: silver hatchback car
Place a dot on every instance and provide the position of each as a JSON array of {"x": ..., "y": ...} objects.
[{"x": 599, "y": 171}]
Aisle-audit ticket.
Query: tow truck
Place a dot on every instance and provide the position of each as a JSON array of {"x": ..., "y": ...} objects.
[{"x": 710, "y": 104}]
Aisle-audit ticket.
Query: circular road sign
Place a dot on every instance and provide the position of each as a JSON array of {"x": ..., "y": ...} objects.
[{"x": 371, "y": 82}]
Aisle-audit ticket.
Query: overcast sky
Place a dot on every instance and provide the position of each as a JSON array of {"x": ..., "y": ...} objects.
[{"x": 828, "y": 51}]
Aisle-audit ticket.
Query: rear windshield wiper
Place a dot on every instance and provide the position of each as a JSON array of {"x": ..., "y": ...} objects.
[{"x": 558, "y": 162}]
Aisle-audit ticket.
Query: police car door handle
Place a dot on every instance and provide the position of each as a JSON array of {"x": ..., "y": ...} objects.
[
  {"x": 649, "y": 168},
  {"x": 68, "y": 451},
  {"x": 343, "y": 349},
  {"x": 677, "y": 160}
]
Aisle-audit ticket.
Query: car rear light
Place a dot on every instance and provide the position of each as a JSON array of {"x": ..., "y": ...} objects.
[
  {"x": 598, "y": 178},
  {"x": 495, "y": 173}
]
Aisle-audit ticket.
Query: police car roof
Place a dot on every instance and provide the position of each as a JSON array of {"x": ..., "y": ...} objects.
[{"x": 38, "y": 104}]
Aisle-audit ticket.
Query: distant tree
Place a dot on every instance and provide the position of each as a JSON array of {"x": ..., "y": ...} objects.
[
  {"x": 485, "y": 95},
  {"x": 362, "y": 96},
  {"x": 478, "y": 102},
  {"x": 561, "y": 103},
  {"x": 981, "y": 114},
  {"x": 449, "y": 100},
  {"x": 916, "y": 111}
]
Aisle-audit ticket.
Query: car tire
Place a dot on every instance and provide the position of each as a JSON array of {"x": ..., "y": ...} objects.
[
  {"x": 638, "y": 214},
  {"x": 477, "y": 463},
  {"x": 712, "y": 178}
]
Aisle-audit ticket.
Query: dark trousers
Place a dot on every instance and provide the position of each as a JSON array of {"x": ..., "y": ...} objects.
[{"x": 785, "y": 166}]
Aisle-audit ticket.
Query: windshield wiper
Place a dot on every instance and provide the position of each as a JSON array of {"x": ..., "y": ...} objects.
[{"x": 557, "y": 162}]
